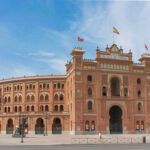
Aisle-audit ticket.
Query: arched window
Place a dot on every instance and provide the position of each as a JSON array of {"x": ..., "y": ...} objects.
[
  {"x": 28, "y": 108},
  {"x": 20, "y": 109},
  {"x": 15, "y": 108},
  {"x": 28, "y": 98},
  {"x": 115, "y": 86},
  {"x": 16, "y": 98},
  {"x": 89, "y": 92},
  {"x": 87, "y": 126},
  {"x": 5, "y": 99},
  {"x": 46, "y": 97},
  {"x": 46, "y": 108},
  {"x": 44, "y": 85},
  {"x": 9, "y": 99},
  {"x": 93, "y": 126},
  {"x": 32, "y": 108},
  {"x": 58, "y": 85},
  {"x": 139, "y": 93},
  {"x": 41, "y": 98},
  {"x": 30, "y": 86},
  {"x": 137, "y": 125},
  {"x": 139, "y": 107},
  {"x": 20, "y": 98},
  {"x": 61, "y": 97},
  {"x": 32, "y": 98},
  {"x": 56, "y": 97},
  {"x": 125, "y": 92},
  {"x": 41, "y": 108},
  {"x": 40, "y": 86},
  {"x": 5, "y": 109},
  {"x": 89, "y": 78},
  {"x": 89, "y": 105},
  {"x": 61, "y": 108},
  {"x": 138, "y": 81},
  {"x": 56, "y": 108},
  {"x": 17, "y": 87},
  {"x": 142, "y": 125},
  {"x": 104, "y": 91},
  {"x": 8, "y": 109}
]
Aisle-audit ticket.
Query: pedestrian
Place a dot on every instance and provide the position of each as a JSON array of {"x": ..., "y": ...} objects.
[{"x": 100, "y": 135}]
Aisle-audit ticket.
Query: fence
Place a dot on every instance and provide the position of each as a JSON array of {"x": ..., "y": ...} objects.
[{"x": 109, "y": 140}]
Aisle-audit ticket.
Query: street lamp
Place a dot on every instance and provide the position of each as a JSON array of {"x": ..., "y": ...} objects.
[
  {"x": 46, "y": 117},
  {"x": 21, "y": 127},
  {"x": 22, "y": 122}
]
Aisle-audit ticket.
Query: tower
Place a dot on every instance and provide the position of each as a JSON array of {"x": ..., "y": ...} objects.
[{"x": 74, "y": 84}]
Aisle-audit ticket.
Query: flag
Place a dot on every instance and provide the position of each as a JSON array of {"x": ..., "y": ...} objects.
[
  {"x": 146, "y": 47},
  {"x": 80, "y": 39},
  {"x": 115, "y": 30}
]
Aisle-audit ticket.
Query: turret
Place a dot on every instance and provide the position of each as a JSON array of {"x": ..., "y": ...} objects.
[
  {"x": 145, "y": 59},
  {"x": 77, "y": 55}
]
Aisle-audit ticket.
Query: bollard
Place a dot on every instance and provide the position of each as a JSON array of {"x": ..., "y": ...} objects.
[{"x": 144, "y": 139}]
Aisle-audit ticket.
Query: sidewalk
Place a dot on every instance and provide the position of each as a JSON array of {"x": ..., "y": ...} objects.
[
  {"x": 73, "y": 139},
  {"x": 42, "y": 140}
]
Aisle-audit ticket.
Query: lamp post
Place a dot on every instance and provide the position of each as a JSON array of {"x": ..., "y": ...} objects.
[
  {"x": 21, "y": 126},
  {"x": 22, "y": 122},
  {"x": 46, "y": 117}
]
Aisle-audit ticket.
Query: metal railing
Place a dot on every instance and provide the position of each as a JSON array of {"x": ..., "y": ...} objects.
[{"x": 109, "y": 140}]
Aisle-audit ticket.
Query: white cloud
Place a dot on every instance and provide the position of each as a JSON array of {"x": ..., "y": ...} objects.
[
  {"x": 22, "y": 71},
  {"x": 131, "y": 18},
  {"x": 42, "y": 54},
  {"x": 16, "y": 71},
  {"x": 55, "y": 63},
  {"x": 63, "y": 38}
]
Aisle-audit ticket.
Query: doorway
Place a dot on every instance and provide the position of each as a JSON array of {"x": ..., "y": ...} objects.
[{"x": 115, "y": 122}]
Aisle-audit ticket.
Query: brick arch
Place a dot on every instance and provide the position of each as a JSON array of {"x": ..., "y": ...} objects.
[
  {"x": 124, "y": 112},
  {"x": 41, "y": 97},
  {"x": 44, "y": 96},
  {"x": 119, "y": 105},
  {"x": 56, "y": 96},
  {"x": 18, "y": 97},
  {"x": 115, "y": 76},
  {"x": 9, "y": 126},
  {"x": 28, "y": 97},
  {"x": 57, "y": 125},
  {"x": 32, "y": 97},
  {"x": 115, "y": 121},
  {"x": 61, "y": 96},
  {"x": 15, "y": 98}
]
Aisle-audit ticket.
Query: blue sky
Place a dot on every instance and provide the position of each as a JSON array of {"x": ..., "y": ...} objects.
[{"x": 37, "y": 36}]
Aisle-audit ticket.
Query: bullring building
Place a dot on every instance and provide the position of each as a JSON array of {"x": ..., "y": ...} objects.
[{"x": 110, "y": 94}]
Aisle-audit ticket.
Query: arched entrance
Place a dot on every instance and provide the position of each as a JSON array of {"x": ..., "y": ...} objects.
[
  {"x": 115, "y": 122},
  {"x": 56, "y": 127},
  {"x": 39, "y": 127},
  {"x": 9, "y": 127}
]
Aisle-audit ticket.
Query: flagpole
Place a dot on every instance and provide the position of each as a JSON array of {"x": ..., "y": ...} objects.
[
  {"x": 113, "y": 38},
  {"x": 115, "y": 31}
]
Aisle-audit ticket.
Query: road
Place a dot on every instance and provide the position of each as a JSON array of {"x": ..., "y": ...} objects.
[{"x": 80, "y": 147}]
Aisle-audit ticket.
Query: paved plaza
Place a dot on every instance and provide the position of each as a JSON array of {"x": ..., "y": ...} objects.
[
  {"x": 73, "y": 142},
  {"x": 80, "y": 147},
  {"x": 75, "y": 139}
]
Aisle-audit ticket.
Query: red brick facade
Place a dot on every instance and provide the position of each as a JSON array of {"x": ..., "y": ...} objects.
[{"x": 110, "y": 94}]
